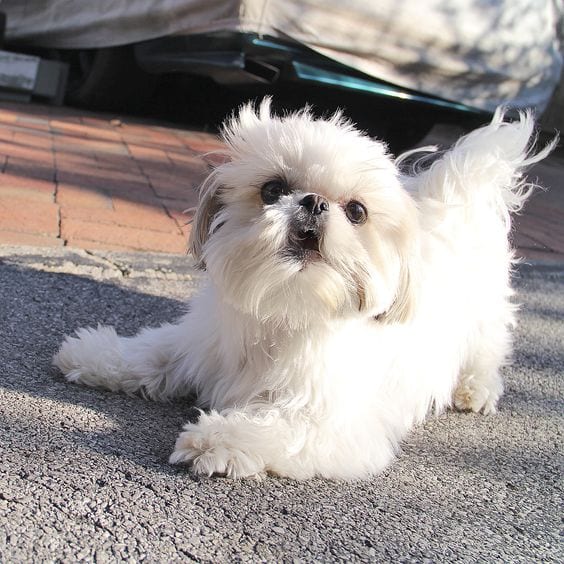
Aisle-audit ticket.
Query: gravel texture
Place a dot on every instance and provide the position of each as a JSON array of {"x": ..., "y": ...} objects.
[{"x": 84, "y": 473}]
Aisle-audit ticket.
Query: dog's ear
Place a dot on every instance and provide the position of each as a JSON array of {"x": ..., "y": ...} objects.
[
  {"x": 405, "y": 302},
  {"x": 407, "y": 247},
  {"x": 208, "y": 207}
]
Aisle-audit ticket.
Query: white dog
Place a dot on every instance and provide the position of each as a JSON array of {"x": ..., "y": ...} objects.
[{"x": 344, "y": 301}]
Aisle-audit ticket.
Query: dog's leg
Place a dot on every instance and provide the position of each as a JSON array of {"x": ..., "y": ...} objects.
[
  {"x": 478, "y": 390},
  {"x": 232, "y": 443},
  {"x": 243, "y": 443},
  {"x": 147, "y": 363},
  {"x": 480, "y": 182},
  {"x": 480, "y": 384}
]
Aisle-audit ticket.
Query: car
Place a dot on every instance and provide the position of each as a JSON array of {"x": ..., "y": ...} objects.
[{"x": 392, "y": 66}]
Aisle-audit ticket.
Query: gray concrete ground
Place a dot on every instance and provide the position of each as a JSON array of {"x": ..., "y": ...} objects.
[{"x": 84, "y": 473}]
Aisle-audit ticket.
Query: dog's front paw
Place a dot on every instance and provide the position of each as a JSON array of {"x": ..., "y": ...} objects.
[
  {"x": 474, "y": 394},
  {"x": 212, "y": 453}
]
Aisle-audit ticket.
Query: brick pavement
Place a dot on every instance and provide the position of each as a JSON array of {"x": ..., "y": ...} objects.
[
  {"x": 84, "y": 180},
  {"x": 73, "y": 178}
]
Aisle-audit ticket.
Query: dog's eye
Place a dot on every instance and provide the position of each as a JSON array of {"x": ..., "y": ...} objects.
[
  {"x": 356, "y": 212},
  {"x": 272, "y": 190}
]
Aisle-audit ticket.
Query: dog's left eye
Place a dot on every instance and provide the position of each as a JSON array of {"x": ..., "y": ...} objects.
[
  {"x": 356, "y": 212},
  {"x": 272, "y": 190}
]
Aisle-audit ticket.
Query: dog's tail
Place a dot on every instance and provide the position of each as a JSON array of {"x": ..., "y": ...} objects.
[
  {"x": 142, "y": 364},
  {"x": 486, "y": 168}
]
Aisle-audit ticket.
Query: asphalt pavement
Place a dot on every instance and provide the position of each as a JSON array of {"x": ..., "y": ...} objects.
[{"x": 84, "y": 473}]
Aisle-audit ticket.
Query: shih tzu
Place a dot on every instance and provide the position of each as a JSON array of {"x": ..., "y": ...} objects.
[{"x": 344, "y": 300}]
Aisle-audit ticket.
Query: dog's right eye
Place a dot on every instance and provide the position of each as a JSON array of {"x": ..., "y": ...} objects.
[{"x": 272, "y": 190}]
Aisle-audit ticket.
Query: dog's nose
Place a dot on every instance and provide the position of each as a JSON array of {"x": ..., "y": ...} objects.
[{"x": 314, "y": 204}]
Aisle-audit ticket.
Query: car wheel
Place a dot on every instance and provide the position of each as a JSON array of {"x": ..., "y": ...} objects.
[{"x": 107, "y": 79}]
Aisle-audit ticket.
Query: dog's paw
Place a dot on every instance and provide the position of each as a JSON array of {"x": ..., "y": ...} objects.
[
  {"x": 472, "y": 394},
  {"x": 211, "y": 454}
]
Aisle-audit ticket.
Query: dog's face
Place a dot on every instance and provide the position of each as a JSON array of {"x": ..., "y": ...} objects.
[{"x": 306, "y": 221}]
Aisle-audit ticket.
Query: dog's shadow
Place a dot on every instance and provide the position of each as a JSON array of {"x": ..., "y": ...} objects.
[{"x": 38, "y": 309}]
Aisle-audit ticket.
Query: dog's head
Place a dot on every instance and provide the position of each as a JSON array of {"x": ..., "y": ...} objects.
[{"x": 307, "y": 220}]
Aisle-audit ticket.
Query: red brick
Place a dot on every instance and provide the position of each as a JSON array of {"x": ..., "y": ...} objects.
[
  {"x": 106, "y": 181},
  {"x": 181, "y": 204},
  {"x": 157, "y": 169},
  {"x": 102, "y": 122},
  {"x": 125, "y": 214},
  {"x": 520, "y": 239},
  {"x": 206, "y": 145},
  {"x": 189, "y": 164},
  {"x": 33, "y": 123},
  {"x": 115, "y": 197},
  {"x": 130, "y": 190},
  {"x": 30, "y": 168},
  {"x": 85, "y": 131},
  {"x": 74, "y": 231},
  {"x": 24, "y": 188},
  {"x": 64, "y": 151},
  {"x": 35, "y": 139},
  {"x": 215, "y": 159},
  {"x": 6, "y": 134},
  {"x": 186, "y": 157},
  {"x": 88, "y": 146},
  {"x": 152, "y": 139},
  {"x": 547, "y": 235},
  {"x": 35, "y": 154},
  {"x": 81, "y": 178},
  {"x": 125, "y": 170},
  {"x": 188, "y": 193},
  {"x": 534, "y": 254},
  {"x": 7, "y": 116},
  {"x": 143, "y": 126},
  {"x": 176, "y": 183},
  {"x": 183, "y": 220},
  {"x": 144, "y": 153},
  {"x": 123, "y": 163},
  {"x": 76, "y": 164},
  {"x": 97, "y": 246},
  {"x": 545, "y": 213},
  {"x": 41, "y": 218},
  {"x": 69, "y": 195},
  {"x": 30, "y": 239}
]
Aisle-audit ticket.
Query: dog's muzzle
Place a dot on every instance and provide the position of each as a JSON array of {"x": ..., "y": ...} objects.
[{"x": 307, "y": 228}]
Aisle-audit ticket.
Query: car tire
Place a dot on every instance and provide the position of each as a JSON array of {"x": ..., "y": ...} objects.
[{"x": 107, "y": 79}]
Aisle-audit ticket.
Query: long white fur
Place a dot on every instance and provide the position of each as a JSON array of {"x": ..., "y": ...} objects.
[{"x": 322, "y": 369}]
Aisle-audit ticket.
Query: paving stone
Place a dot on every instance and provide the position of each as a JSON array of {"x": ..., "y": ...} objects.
[
  {"x": 30, "y": 153},
  {"x": 30, "y": 168},
  {"x": 73, "y": 230},
  {"x": 39, "y": 218},
  {"x": 84, "y": 130},
  {"x": 25, "y": 188},
  {"x": 71, "y": 197},
  {"x": 29, "y": 239},
  {"x": 126, "y": 183}
]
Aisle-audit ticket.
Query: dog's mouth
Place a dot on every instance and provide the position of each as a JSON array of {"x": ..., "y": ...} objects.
[
  {"x": 304, "y": 246},
  {"x": 309, "y": 241}
]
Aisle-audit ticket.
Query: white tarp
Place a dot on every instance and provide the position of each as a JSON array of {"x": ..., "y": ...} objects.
[{"x": 479, "y": 52}]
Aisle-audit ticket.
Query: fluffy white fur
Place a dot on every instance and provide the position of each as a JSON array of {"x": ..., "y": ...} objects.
[{"x": 320, "y": 365}]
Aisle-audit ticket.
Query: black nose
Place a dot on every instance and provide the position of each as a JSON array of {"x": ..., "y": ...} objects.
[{"x": 314, "y": 204}]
